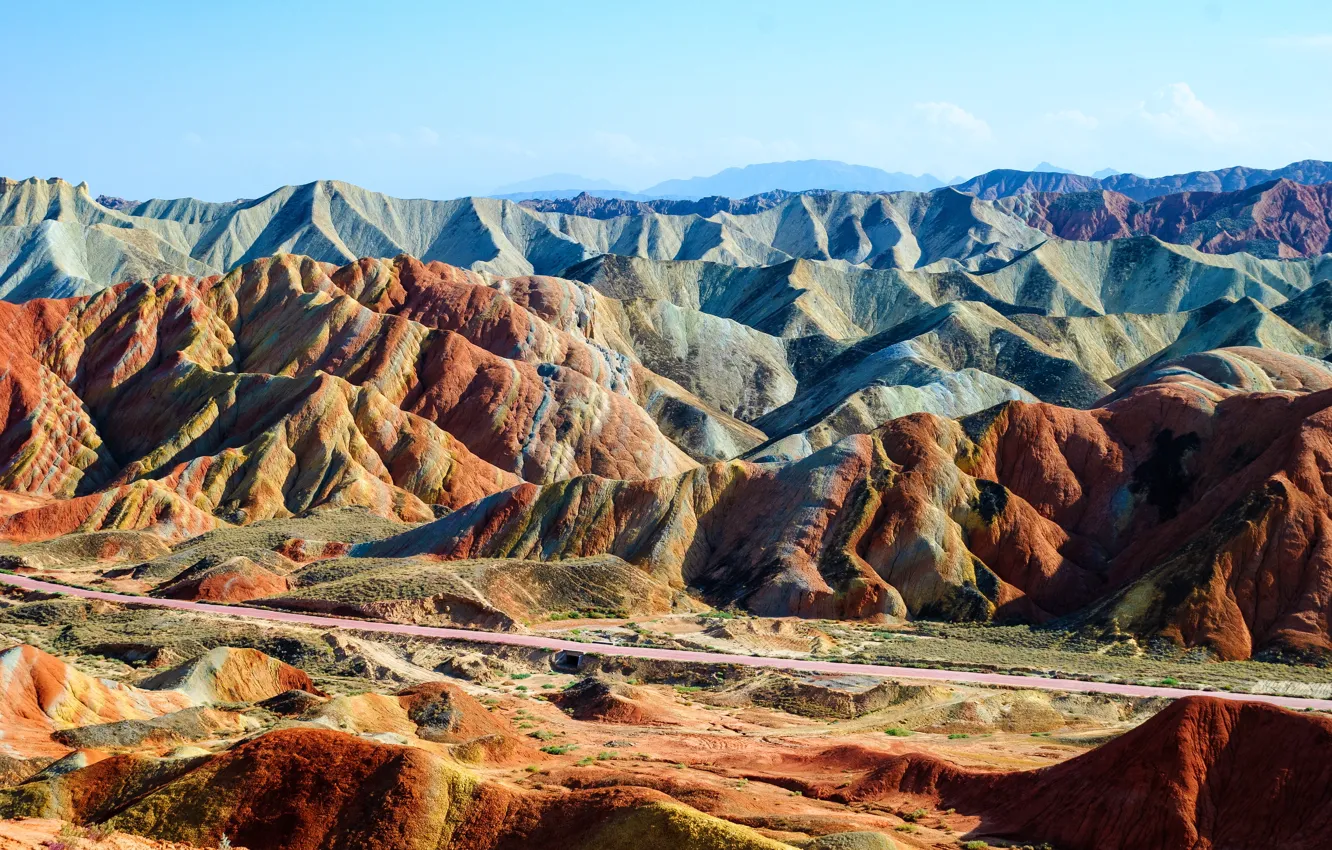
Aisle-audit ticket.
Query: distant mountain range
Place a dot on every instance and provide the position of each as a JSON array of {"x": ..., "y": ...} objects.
[
  {"x": 1003, "y": 183},
  {"x": 742, "y": 182},
  {"x": 794, "y": 177},
  {"x": 57, "y": 240},
  {"x": 830, "y": 175}
]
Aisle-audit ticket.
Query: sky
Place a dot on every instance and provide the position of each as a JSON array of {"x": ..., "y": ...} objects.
[{"x": 441, "y": 99}]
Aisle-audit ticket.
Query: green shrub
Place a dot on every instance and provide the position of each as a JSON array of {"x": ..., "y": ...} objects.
[
  {"x": 541, "y": 735},
  {"x": 958, "y": 735},
  {"x": 559, "y": 749},
  {"x": 912, "y": 817},
  {"x": 897, "y": 732}
]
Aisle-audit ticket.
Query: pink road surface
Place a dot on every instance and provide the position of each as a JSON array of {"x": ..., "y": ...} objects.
[{"x": 828, "y": 667}]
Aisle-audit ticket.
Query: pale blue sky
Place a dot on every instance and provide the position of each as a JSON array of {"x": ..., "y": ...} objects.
[{"x": 227, "y": 99}]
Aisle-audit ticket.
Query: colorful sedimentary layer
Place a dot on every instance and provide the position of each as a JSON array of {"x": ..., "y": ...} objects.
[
  {"x": 271, "y": 391},
  {"x": 40, "y": 694},
  {"x": 1186, "y": 509},
  {"x": 1203, "y": 773},
  {"x": 1276, "y": 219}
]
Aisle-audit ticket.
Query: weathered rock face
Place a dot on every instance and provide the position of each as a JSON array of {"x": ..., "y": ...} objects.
[
  {"x": 1204, "y": 772},
  {"x": 272, "y": 391},
  {"x": 1276, "y": 219},
  {"x": 1185, "y": 509},
  {"x": 312, "y": 788},
  {"x": 228, "y": 674},
  {"x": 40, "y": 694}
]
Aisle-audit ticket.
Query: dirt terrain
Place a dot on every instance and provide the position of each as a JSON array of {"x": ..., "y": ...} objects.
[{"x": 706, "y": 755}]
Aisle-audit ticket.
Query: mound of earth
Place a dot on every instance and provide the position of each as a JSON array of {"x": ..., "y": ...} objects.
[
  {"x": 179, "y": 727},
  {"x": 827, "y": 696},
  {"x": 227, "y": 674},
  {"x": 490, "y": 593},
  {"x": 771, "y": 635},
  {"x": 40, "y": 694},
  {"x": 309, "y": 788},
  {"x": 1204, "y": 772},
  {"x": 602, "y": 701},
  {"x": 237, "y": 579},
  {"x": 445, "y": 712}
]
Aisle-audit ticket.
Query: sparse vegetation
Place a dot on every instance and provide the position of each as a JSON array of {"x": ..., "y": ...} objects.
[
  {"x": 541, "y": 735},
  {"x": 905, "y": 827},
  {"x": 956, "y": 736},
  {"x": 912, "y": 817},
  {"x": 898, "y": 732},
  {"x": 975, "y": 845},
  {"x": 559, "y": 749}
]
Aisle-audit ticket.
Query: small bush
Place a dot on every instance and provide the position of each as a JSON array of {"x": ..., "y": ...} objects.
[
  {"x": 559, "y": 749},
  {"x": 905, "y": 827},
  {"x": 912, "y": 817},
  {"x": 897, "y": 732},
  {"x": 541, "y": 735},
  {"x": 958, "y": 735},
  {"x": 605, "y": 755},
  {"x": 584, "y": 761},
  {"x": 521, "y": 676},
  {"x": 687, "y": 689},
  {"x": 975, "y": 845}
]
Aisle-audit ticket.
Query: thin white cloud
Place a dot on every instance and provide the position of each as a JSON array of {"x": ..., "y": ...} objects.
[
  {"x": 941, "y": 113},
  {"x": 1175, "y": 111}
]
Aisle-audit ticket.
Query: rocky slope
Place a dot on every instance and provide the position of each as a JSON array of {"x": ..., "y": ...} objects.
[
  {"x": 736, "y": 760},
  {"x": 274, "y": 390},
  {"x": 1281, "y": 219},
  {"x": 1003, "y": 183},
  {"x": 56, "y": 240},
  {"x": 1187, "y": 509},
  {"x": 1202, "y": 773}
]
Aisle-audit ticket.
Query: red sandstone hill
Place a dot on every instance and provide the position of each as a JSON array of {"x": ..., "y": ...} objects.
[
  {"x": 1186, "y": 509},
  {"x": 1276, "y": 219},
  {"x": 315, "y": 789},
  {"x": 274, "y": 390},
  {"x": 1204, "y": 774}
]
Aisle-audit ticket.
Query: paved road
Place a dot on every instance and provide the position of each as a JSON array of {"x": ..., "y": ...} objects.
[{"x": 542, "y": 642}]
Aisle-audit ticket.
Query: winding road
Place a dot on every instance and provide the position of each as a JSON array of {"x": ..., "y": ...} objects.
[{"x": 542, "y": 642}]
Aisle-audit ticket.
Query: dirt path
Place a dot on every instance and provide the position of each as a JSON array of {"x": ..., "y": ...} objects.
[{"x": 539, "y": 641}]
